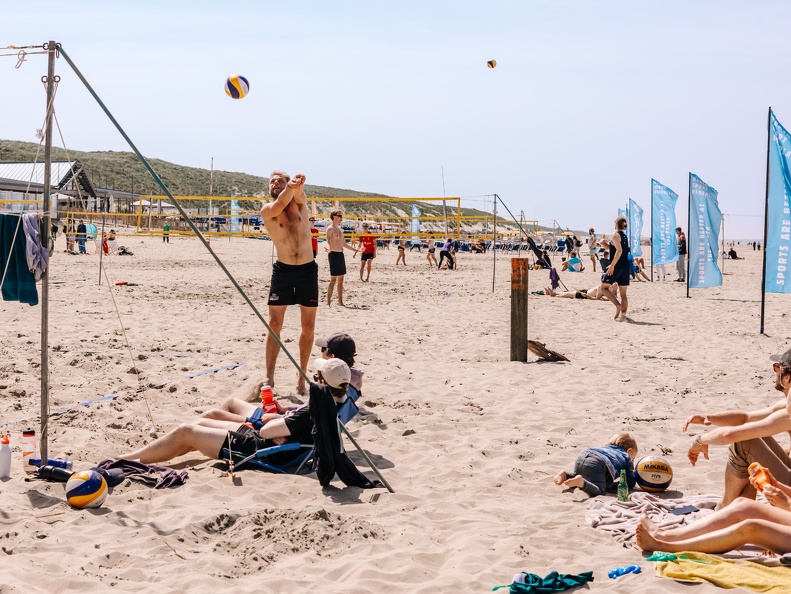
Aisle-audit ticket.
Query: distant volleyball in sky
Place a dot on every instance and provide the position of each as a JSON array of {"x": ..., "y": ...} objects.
[
  {"x": 237, "y": 86},
  {"x": 491, "y": 63}
]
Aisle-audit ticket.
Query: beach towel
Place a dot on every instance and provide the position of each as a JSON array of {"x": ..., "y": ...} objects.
[
  {"x": 554, "y": 278},
  {"x": 159, "y": 477},
  {"x": 621, "y": 517},
  {"x": 19, "y": 284},
  {"x": 530, "y": 583},
  {"x": 726, "y": 573}
]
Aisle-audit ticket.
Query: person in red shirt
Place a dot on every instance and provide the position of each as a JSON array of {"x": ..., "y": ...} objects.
[
  {"x": 314, "y": 236},
  {"x": 367, "y": 242}
]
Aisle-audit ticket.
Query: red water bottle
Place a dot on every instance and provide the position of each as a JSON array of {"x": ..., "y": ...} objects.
[{"x": 268, "y": 399}]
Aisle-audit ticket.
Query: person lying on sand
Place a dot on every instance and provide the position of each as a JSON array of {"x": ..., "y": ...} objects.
[
  {"x": 596, "y": 469},
  {"x": 210, "y": 436},
  {"x": 744, "y": 522},
  {"x": 596, "y": 293}
]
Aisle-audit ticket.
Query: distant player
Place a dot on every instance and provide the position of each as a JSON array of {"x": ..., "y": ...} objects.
[{"x": 367, "y": 242}]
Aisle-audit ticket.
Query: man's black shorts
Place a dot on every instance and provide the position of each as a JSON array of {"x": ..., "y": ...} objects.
[
  {"x": 337, "y": 263},
  {"x": 368, "y": 256},
  {"x": 294, "y": 284},
  {"x": 246, "y": 441}
]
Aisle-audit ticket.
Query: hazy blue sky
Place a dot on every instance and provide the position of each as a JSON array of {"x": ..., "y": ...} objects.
[{"x": 589, "y": 101}]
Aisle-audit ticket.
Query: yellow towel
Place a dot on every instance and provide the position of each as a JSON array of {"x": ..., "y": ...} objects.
[{"x": 727, "y": 573}]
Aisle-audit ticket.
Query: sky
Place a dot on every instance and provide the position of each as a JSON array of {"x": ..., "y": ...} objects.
[{"x": 589, "y": 101}]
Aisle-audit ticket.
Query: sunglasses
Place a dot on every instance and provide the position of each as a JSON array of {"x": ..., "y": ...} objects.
[
  {"x": 326, "y": 350},
  {"x": 776, "y": 367}
]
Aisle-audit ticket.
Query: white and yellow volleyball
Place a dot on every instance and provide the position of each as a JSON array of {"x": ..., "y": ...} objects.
[
  {"x": 237, "y": 86},
  {"x": 653, "y": 474},
  {"x": 86, "y": 488}
]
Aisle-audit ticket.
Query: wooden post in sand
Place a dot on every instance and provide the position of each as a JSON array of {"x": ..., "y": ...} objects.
[{"x": 519, "y": 272}]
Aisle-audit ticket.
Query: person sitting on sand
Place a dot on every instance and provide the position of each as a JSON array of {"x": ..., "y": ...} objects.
[
  {"x": 573, "y": 264},
  {"x": 597, "y": 469},
  {"x": 733, "y": 255},
  {"x": 637, "y": 269},
  {"x": 750, "y": 436},
  {"x": 744, "y": 522},
  {"x": 210, "y": 436},
  {"x": 249, "y": 410},
  {"x": 596, "y": 293}
]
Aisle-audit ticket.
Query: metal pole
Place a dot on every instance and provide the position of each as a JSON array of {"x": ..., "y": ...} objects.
[
  {"x": 766, "y": 217},
  {"x": 211, "y": 184},
  {"x": 52, "y": 48},
  {"x": 494, "y": 241},
  {"x": 101, "y": 248},
  {"x": 652, "y": 230},
  {"x": 444, "y": 207},
  {"x": 722, "y": 225},
  {"x": 689, "y": 230}
]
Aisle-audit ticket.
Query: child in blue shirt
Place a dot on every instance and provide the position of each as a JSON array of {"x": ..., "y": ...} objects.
[{"x": 597, "y": 469}]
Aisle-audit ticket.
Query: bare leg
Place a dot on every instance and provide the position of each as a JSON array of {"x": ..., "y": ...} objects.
[
  {"x": 182, "y": 440},
  {"x": 340, "y": 291},
  {"x": 605, "y": 290},
  {"x": 770, "y": 535},
  {"x": 308, "y": 321},
  {"x": 330, "y": 289},
  {"x": 368, "y": 274},
  {"x": 735, "y": 487},
  {"x": 362, "y": 267},
  {"x": 276, "y": 315},
  {"x": 624, "y": 301},
  {"x": 549, "y": 291}
]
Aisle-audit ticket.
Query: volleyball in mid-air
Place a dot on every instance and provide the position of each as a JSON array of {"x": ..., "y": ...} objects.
[
  {"x": 86, "y": 488},
  {"x": 491, "y": 63},
  {"x": 237, "y": 86},
  {"x": 653, "y": 474}
]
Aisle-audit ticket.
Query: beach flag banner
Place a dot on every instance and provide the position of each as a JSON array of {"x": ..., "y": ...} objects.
[
  {"x": 704, "y": 235},
  {"x": 635, "y": 227},
  {"x": 777, "y": 240},
  {"x": 234, "y": 216},
  {"x": 622, "y": 212},
  {"x": 664, "y": 247},
  {"x": 415, "y": 219}
]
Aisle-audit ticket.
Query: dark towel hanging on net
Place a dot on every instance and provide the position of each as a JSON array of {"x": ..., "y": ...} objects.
[{"x": 18, "y": 283}]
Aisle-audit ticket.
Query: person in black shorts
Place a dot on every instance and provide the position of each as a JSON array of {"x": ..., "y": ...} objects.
[
  {"x": 211, "y": 436},
  {"x": 336, "y": 242},
  {"x": 619, "y": 269},
  {"x": 295, "y": 278}
]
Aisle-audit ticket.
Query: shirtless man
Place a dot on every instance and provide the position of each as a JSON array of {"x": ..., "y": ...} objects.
[
  {"x": 295, "y": 278},
  {"x": 336, "y": 242}
]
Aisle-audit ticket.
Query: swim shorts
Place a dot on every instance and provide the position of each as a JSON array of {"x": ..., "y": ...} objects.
[
  {"x": 294, "y": 284},
  {"x": 368, "y": 256},
  {"x": 578, "y": 295},
  {"x": 246, "y": 441},
  {"x": 431, "y": 250},
  {"x": 337, "y": 263}
]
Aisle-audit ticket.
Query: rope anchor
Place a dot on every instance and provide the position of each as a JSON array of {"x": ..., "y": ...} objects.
[{"x": 21, "y": 57}]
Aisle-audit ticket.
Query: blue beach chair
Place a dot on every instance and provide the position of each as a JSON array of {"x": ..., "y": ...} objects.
[{"x": 306, "y": 458}]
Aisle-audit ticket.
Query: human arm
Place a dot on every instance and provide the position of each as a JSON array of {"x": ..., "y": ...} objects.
[
  {"x": 777, "y": 422},
  {"x": 616, "y": 241},
  {"x": 775, "y": 492},
  {"x": 733, "y": 418}
]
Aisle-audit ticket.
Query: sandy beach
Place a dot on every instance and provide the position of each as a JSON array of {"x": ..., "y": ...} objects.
[{"x": 469, "y": 440}]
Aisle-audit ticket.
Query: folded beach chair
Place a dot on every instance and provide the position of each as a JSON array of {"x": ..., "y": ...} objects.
[{"x": 266, "y": 458}]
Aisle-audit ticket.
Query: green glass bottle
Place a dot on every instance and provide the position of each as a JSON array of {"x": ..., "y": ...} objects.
[{"x": 623, "y": 488}]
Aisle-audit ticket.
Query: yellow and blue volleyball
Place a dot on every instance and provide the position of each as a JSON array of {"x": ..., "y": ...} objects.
[
  {"x": 86, "y": 488},
  {"x": 653, "y": 474},
  {"x": 237, "y": 86},
  {"x": 491, "y": 63}
]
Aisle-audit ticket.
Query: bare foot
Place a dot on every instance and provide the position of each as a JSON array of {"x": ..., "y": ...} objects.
[
  {"x": 341, "y": 304},
  {"x": 646, "y": 542},
  {"x": 301, "y": 385},
  {"x": 617, "y": 312},
  {"x": 560, "y": 477},
  {"x": 577, "y": 481}
]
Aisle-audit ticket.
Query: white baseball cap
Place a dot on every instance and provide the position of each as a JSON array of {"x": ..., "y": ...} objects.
[{"x": 334, "y": 371}]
